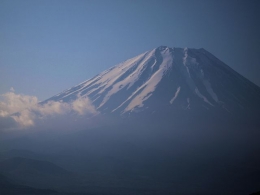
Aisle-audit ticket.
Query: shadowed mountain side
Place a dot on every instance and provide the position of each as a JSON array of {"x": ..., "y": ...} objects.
[
  {"x": 37, "y": 173},
  {"x": 7, "y": 187},
  {"x": 169, "y": 80}
]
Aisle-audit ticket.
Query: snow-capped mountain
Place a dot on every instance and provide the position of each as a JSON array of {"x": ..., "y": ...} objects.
[
  {"x": 170, "y": 79},
  {"x": 169, "y": 121}
]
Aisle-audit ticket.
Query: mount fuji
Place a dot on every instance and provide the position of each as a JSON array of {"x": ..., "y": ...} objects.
[
  {"x": 169, "y": 80},
  {"x": 168, "y": 121}
]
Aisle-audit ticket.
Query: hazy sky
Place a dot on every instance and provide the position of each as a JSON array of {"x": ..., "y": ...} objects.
[{"x": 48, "y": 46}]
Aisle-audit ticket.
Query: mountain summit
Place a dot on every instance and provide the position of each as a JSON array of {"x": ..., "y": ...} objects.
[
  {"x": 169, "y": 121},
  {"x": 170, "y": 79}
]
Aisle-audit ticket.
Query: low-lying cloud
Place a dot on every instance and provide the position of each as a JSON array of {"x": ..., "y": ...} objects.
[
  {"x": 83, "y": 106},
  {"x": 25, "y": 110},
  {"x": 12, "y": 103}
]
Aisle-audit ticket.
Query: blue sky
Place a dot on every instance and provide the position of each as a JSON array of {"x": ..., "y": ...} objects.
[{"x": 48, "y": 46}]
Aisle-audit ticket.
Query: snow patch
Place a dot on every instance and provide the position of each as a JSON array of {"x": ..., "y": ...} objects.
[
  {"x": 145, "y": 91},
  {"x": 210, "y": 90},
  {"x": 203, "y": 97},
  {"x": 185, "y": 59},
  {"x": 129, "y": 80},
  {"x": 175, "y": 95},
  {"x": 188, "y": 102}
]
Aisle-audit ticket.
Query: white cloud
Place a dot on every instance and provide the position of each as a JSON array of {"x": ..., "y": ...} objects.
[
  {"x": 82, "y": 105},
  {"x": 25, "y": 118},
  {"x": 13, "y": 103},
  {"x": 52, "y": 108},
  {"x": 26, "y": 109}
]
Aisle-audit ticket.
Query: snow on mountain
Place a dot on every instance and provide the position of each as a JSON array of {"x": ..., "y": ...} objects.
[{"x": 172, "y": 78}]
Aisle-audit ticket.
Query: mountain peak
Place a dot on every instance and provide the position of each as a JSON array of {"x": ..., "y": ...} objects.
[
  {"x": 162, "y": 47},
  {"x": 170, "y": 78}
]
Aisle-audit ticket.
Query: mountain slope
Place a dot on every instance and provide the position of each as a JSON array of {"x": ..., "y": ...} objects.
[
  {"x": 9, "y": 188},
  {"x": 34, "y": 173},
  {"x": 171, "y": 121},
  {"x": 169, "y": 79}
]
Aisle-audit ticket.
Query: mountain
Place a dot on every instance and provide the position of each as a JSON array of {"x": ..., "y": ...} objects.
[
  {"x": 169, "y": 121},
  {"x": 8, "y": 187},
  {"x": 34, "y": 173},
  {"x": 169, "y": 80}
]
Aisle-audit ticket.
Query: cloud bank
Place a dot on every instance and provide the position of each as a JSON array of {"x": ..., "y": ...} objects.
[
  {"x": 25, "y": 110},
  {"x": 12, "y": 103}
]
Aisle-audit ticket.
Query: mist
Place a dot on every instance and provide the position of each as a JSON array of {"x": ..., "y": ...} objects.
[{"x": 136, "y": 152}]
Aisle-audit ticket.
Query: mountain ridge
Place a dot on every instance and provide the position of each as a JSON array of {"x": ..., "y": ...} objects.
[
  {"x": 170, "y": 121},
  {"x": 180, "y": 78}
]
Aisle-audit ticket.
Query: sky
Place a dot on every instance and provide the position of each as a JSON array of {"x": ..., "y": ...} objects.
[{"x": 47, "y": 46}]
